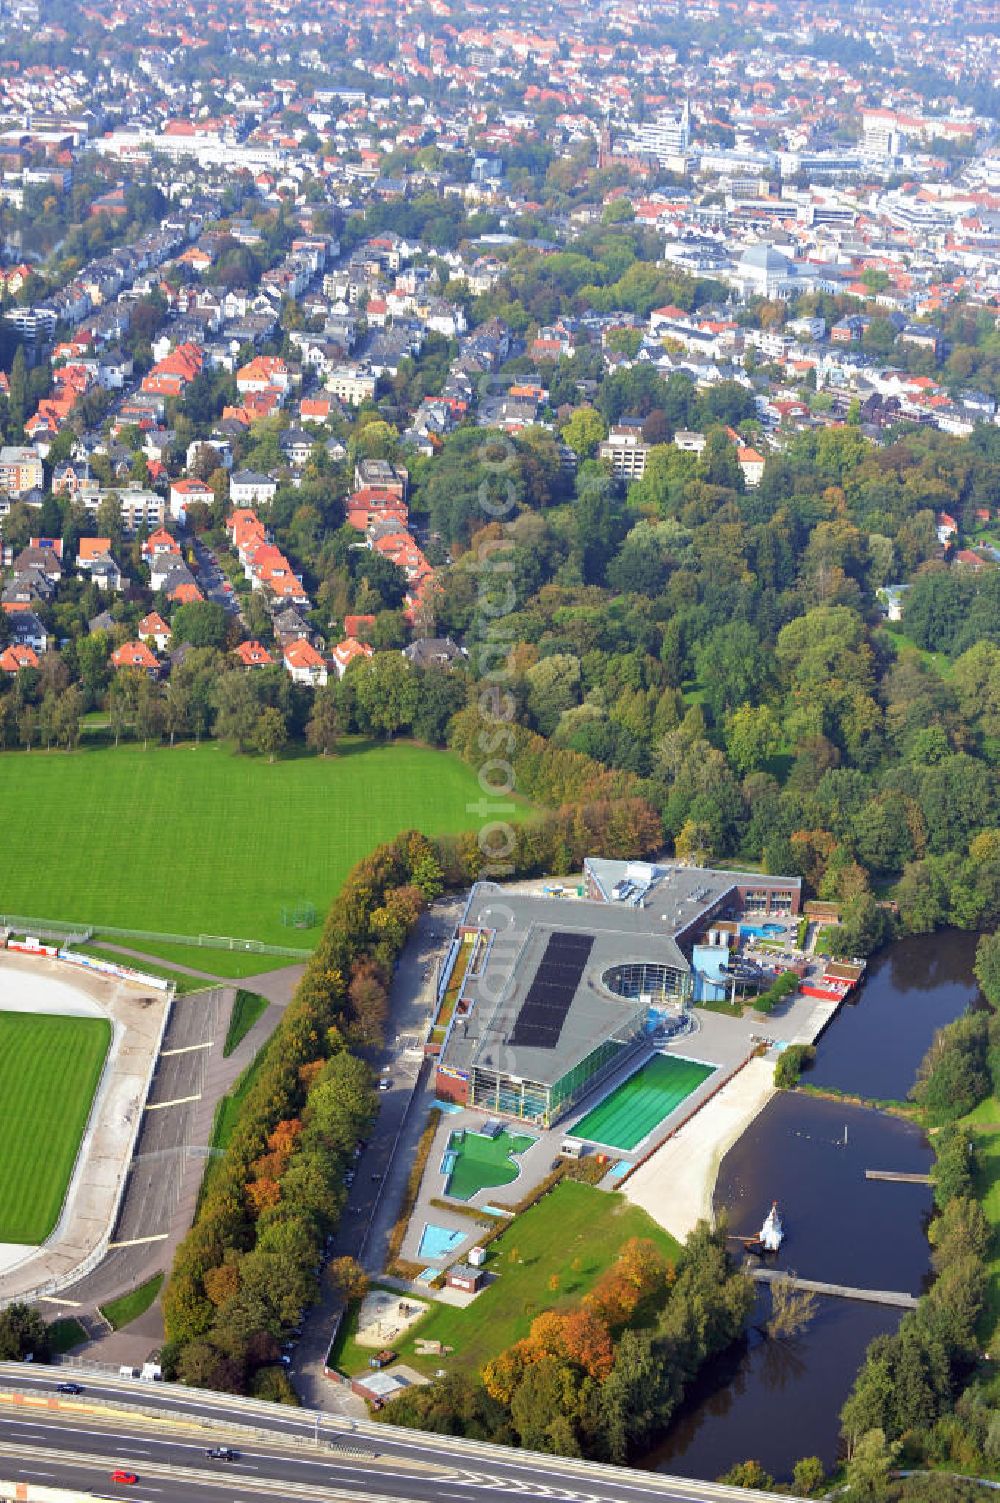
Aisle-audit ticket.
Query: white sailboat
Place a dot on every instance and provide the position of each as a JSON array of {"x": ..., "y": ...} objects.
[{"x": 772, "y": 1233}]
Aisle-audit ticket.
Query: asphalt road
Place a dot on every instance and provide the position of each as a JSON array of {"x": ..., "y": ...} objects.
[{"x": 302, "y": 1454}]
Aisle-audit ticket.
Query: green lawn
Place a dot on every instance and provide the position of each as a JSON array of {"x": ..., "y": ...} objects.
[
  {"x": 570, "y": 1237},
  {"x": 230, "y": 965},
  {"x": 181, "y": 982},
  {"x": 128, "y": 1307},
  {"x": 197, "y": 839},
  {"x": 228, "y": 1109},
  {"x": 49, "y": 1069},
  {"x": 247, "y": 1008},
  {"x": 939, "y": 661}
]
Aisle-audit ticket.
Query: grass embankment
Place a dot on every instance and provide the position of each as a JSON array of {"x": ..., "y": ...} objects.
[
  {"x": 548, "y": 1258},
  {"x": 213, "y": 842},
  {"x": 228, "y": 1109},
  {"x": 49, "y": 1070},
  {"x": 247, "y": 1008},
  {"x": 128, "y": 1307},
  {"x": 985, "y": 1120},
  {"x": 182, "y": 983}
]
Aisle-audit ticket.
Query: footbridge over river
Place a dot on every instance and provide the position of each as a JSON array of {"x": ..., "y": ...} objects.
[{"x": 891, "y": 1297}]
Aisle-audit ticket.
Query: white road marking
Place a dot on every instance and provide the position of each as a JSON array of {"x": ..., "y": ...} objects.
[
  {"x": 186, "y": 1049},
  {"x": 139, "y": 1241},
  {"x": 159, "y": 1106}
]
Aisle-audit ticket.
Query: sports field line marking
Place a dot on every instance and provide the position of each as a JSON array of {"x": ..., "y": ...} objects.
[
  {"x": 140, "y": 1241},
  {"x": 186, "y": 1049},
  {"x": 158, "y": 1106}
]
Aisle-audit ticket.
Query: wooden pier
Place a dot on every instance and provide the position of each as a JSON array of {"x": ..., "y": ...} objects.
[
  {"x": 867, "y": 1296},
  {"x": 897, "y": 1177}
]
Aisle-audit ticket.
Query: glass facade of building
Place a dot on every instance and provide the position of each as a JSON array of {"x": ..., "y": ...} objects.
[
  {"x": 648, "y": 979},
  {"x": 543, "y": 1103}
]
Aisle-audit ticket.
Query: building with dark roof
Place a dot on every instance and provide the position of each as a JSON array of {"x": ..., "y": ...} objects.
[{"x": 557, "y": 994}]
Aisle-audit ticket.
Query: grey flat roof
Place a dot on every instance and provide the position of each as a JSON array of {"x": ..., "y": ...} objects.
[{"x": 677, "y": 898}]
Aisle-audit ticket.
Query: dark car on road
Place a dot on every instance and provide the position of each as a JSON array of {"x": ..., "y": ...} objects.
[
  {"x": 221, "y": 1453},
  {"x": 68, "y": 1388}
]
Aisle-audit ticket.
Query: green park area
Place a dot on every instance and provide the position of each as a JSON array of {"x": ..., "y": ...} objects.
[
  {"x": 547, "y": 1259},
  {"x": 49, "y": 1069},
  {"x": 197, "y": 839}
]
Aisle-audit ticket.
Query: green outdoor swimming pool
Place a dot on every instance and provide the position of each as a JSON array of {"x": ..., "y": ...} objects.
[
  {"x": 475, "y": 1162},
  {"x": 639, "y": 1104}
]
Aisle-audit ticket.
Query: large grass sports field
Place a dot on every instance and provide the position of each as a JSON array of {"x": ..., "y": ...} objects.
[
  {"x": 197, "y": 839},
  {"x": 640, "y": 1103},
  {"x": 49, "y": 1069}
]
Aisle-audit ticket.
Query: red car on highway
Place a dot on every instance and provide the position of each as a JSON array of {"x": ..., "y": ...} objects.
[{"x": 127, "y": 1479}]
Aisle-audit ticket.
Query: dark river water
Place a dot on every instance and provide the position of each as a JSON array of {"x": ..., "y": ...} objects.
[
  {"x": 773, "y": 1400},
  {"x": 777, "y": 1401},
  {"x": 877, "y": 1040}
]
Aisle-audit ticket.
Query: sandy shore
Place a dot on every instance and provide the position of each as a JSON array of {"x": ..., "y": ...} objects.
[{"x": 677, "y": 1184}]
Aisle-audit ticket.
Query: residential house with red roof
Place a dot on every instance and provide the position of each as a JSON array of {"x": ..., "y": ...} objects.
[
  {"x": 184, "y": 493},
  {"x": 347, "y": 652},
  {"x": 185, "y": 593},
  {"x": 135, "y": 655},
  {"x": 253, "y": 655},
  {"x": 13, "y": 659},
  {"x": 154, "y": 631},
  {"x": 305, "y": 664},
  {"x": 358, "y": 626}
]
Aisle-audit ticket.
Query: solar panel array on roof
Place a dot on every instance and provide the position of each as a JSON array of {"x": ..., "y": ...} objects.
[{"x": 543, "y": 1011}]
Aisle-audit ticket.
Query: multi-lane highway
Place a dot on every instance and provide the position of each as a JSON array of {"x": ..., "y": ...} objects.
[{"x": 77, "y": 1443}]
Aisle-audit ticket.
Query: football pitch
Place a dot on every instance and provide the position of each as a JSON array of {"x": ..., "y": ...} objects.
[
  {"x": 639, "y": 1104},
  {"x": 198, "y": 840},
  {"x": 49, "y": 1069}
]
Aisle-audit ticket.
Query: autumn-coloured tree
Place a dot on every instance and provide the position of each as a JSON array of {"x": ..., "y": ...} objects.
[
  {"x": 263, "y": 1193},
  {"x": 641, "y": 1263},
  {"x": 348, "y": 1277},
  {"x": 503, "y": 1373},
  {"x": 308, "y": 1072},
  {"x": 221, "y": 1283},
  {"x": 368, "y": 994},
  {"x": 587, "y": 1342},
  {"x": 813, "y": 849}
]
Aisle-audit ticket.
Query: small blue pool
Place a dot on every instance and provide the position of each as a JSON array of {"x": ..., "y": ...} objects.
[
  {"x": 438, "y": 1241},
  {"x": 762, "y": 931}
]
